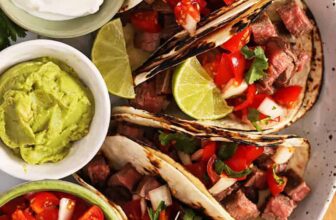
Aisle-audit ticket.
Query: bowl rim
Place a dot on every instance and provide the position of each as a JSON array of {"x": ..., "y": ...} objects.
[
  {"x": 60, "y": 186},
  {"x": 59, "y": 34},
  {"x": 106, "y": 107}
]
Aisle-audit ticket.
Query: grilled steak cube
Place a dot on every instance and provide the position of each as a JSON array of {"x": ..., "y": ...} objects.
[
  {"x": 278, "y": 208},
  {"x": 257, "y": 179},
  {"x": 263, "y": 29},
  {"x": 295, "y": 19},
  {"x": 127, "y": 177},
  {"x": 147, "y": 41},
  {"x": 97, "y": 170},
  {"x": 296, "y": 187},
  {"x": 129, "y": 130},
  {"x": 147, "y": 184},
  {"x": 240, "y": 207}
]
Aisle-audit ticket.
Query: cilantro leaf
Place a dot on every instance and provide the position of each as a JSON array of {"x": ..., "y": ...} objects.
[
  {"x": 226, "y": 150},
  {"x": 155, "y": 215},
  {"x": 254, "y": 117},
  {"x": 259, "y": 65},
  {"x": 9, "y": 31},
  {"x": 189, "y": 214},
  {"x": 181, "y": 142},
  {"x": 279, "y": 180},
  {"x": 221, "y": 167}
]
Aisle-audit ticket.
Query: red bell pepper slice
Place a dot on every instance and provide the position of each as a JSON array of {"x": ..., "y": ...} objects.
[
  {"x": 214, "y": 177},
  {"x": 146, "y": 21},
  {"x": 243, "y": 157},
  {"x": 209, "y": 150},
  {"x": 224, "y": 72},
  {"x": 287, "y": 96},
  {"x": 275, "y": 184},
  {"x": 250, "y": 94},
  {"x": 229, "y": 2},
  {"x": 238, "y": 41}
]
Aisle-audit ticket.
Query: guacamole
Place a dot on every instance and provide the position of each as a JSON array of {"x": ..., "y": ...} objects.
[{"x": 44, "y": 108}]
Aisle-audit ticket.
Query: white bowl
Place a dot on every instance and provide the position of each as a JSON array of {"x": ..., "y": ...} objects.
[{"x": 81, "y": 151}]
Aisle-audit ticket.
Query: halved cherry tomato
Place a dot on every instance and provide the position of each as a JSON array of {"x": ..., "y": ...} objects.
[
  {"x": 22, "y": 215},
  {"x": 43, "y": 200},
  {"x": 48, "y": 214},
  {"x": 238, "y": 41},
  {"x": 275, "y": 187},
  {"x": 146, "y": 21},
  {"x": 229, "y": 2},
  {"x": 287, "y": 96},
  {"x": 94, "y": 213},
  {"x": 250, "y": 94},
  {"x": 14, "y": 204},
  {"x": 214, "y": 177},
  {"x": 4, "y": 217},
  {"x": 243, "y": 157},
  {"x": 198, "y": 169},
  {"x": 224, "y": 72},
  {"x": 209, "y": 150},
  {"x": 237, "y": 65},
  {"x": 133, "y": 210}
]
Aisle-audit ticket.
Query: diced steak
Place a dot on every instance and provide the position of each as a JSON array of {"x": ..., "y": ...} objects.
[
  {"x": 263, "y": 29},
  {"x": 278, "y": 208},
  {"x": 296, "y": 187},
  {"x": 147, "y": 41},
  {"x": 225, "y": 193},
  {"x": 163, "y": 83},
  {"x": 118, "y": 194},
  {"x": 130, "y": 130},
  {"x": 295, "y": 19},
  {"x": 147, "y": 99},
  {"x": 97, "y": 170},
  {"x": 257, "y": 179},
  {"x": 127, "y": 177},
  {"x": 251, "y": 193},
  {"x": 240, "y": 207},
  {"x": 284, "y": 78},
  {"x": 147, "y": 184}
]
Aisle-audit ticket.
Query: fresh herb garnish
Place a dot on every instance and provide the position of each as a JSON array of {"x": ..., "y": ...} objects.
[
  {"x": 189, "y": 214},
  {"x": 259, "y": 65},
  {"x": 154, "y": 215},
  {"x": 181, "y": 142},
  {"x": 221, "y": 167},
  {"x": 254, "y": 117},
  {"x": 8, "y": 31},
  {"x": 226, "y": 150},
  {"x": 279, "y": 180}
]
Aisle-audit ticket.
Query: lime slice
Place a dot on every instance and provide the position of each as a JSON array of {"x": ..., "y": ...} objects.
[
  {"x": 196, "y": 94},
  {"x": 110, "y": 56}
]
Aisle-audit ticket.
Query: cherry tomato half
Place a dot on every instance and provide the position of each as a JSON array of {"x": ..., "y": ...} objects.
[
  {"x": 43, "y": 200},
  {"x": 94, "y": 213}
]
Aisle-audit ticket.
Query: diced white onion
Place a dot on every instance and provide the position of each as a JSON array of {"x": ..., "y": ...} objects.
[
  {"x": 185, "y": 158},
  {"x": 177, "y": 215},
  {"x": 190, "y": 25},
  {"x": 222, "y": 184},
  {"x": 283, "y": 154},
  {"x": 197, "y": 155},
  {"x": 159, "y": 194},
  {"x": 232, "y": 89},
  {"x": 270, "y": 108},
  {"x": 66, "y": 209}
]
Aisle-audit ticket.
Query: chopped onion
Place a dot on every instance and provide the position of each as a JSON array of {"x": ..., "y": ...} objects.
[
  {"x": 190, "y": 25},
  {"x": 197, "y": 155},
  {"x": 283, "y": 154},
  {"x": 177, "y": 215},
  {"x": 159, "y": 194},
  {"x": 185, "y": 158},
  {"x": 66, "y": 209},
  {"x": 233, "y": 89},
  {"x": 222, "y": 184},
  {"x": 270, "y": 108}
]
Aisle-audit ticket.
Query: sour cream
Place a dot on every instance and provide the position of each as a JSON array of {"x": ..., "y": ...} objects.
[{"x": 59, "y": 9}]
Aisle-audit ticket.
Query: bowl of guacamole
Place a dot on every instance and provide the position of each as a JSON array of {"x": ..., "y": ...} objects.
[{"x": 54, "y": 110}]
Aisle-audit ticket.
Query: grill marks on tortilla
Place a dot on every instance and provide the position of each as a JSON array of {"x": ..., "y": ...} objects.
[{"x": 182, "y": 47}]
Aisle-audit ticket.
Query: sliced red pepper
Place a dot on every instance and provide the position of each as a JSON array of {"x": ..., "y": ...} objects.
[
  {"x": 146, "y": 21},
  {"x": 250, "y": 94},
  {"x": 214, "y": 177},
  {"x": 224, "y": 72},
  {"x": 287, "y": 96},
  {"x": 229, "y": 2},
  {"x": 237, "y": 64},
  {"x": 43, "y": 200},
  {"x": 209, "y": 150},
  {"x": 243, "y": 157},
  {"x": 238, "y": 41},
  {"x": 275, "y": 184},
  {"x": 17, "y": 203}
]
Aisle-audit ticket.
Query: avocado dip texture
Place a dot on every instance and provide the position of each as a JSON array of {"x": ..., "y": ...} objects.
[{"x": 44, "y": 108}]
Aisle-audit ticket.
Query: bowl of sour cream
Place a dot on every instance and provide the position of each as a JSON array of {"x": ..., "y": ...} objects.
[{"x": 61, "y": 18}]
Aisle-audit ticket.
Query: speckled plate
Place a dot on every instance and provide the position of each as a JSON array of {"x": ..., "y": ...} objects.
[
  {"x": 62, "y": 29},
  {"x": 318, "y": 125}
]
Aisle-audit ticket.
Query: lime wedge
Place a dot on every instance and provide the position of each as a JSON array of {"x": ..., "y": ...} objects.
[
  {"x": 110, "y": 56},
  {"x": 196, "y": 94}
]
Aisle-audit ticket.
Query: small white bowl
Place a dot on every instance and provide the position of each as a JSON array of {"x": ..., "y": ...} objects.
[{"x": 81, "y": 151}]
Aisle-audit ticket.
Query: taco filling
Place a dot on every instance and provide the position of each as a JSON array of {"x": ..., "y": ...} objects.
[
  {"x": 248, "y": 181},
  {"x": 145, "y": 197},
  {"x": 260, "y": 73}
]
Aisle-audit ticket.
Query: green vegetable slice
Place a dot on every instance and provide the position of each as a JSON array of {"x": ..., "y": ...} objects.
[
  {"x": 226, "y": 150},
  {"x": 181, "y": 142},
  {"x": 221, "y": 167},
  {"x": 154, "y": 215}
]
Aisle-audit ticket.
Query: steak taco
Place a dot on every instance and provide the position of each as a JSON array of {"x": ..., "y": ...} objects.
[
  {"x": 242, "y": 65},
  {"x": 256, "y": 176}
]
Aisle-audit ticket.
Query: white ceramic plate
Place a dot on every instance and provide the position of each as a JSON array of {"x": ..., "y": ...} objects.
[{"x": 318, "y": 125}]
